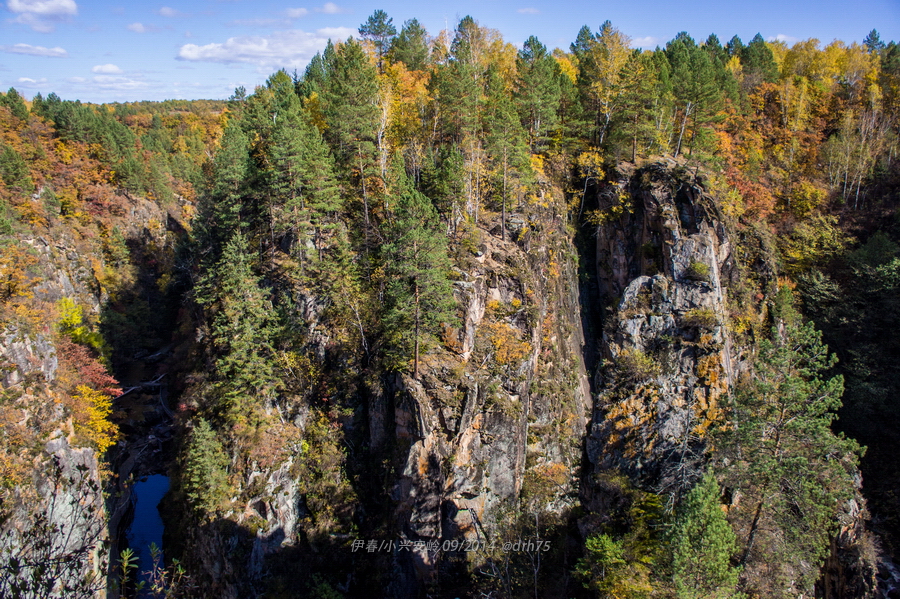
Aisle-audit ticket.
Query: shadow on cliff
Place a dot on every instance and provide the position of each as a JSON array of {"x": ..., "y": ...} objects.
[{"x": 249, "y": 564}]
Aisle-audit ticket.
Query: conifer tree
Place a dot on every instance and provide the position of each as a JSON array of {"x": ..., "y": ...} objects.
[
  {"x": 411, "y": 46},
  {"x": 537, "y": 90},
  {"x": 230, "y": 169},
  {"x": 873, "y": 42},
  {"x": 703, "y": 545},
  {"x": 241, "y": 329},
  {"x": 418, "y": 295},
  {"x": 379, "y": 28},
  {"x": 349, "y": 100},
  {"x": 694, "y": 85},
  {"x": 636, "y": 119},
  {"x": 15, "y": 103},
  {"x": 305, "y": 196},
  {"x": 505, "y": 141},
  {"x": 794, "y": 473},
  {"x": 758, "y": 63},
  {"x": 204, "y": 476}
]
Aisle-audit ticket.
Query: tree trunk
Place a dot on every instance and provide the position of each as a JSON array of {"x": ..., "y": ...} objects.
[
  {"x": 416, "y": 357},
  {"x": 503, "y": 213}
]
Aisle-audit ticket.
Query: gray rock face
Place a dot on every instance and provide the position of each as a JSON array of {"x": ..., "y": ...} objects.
[
  {"x": 57, "y": 527},
  {"x": 56, "y": 521},
  {"x": 27, "y": 355},
  {"x": 661, "y": 261},
  {"x": 513, "y": 400}
]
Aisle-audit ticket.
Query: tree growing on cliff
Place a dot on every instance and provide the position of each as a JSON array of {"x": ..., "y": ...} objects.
[
  {"x": 793, "y": 472},
  {"x": 241, "y": 330},
  {"x": 418, "y": 296},
  {"x": 703, "y": 545},
  {"x": 204, "y": 475}
]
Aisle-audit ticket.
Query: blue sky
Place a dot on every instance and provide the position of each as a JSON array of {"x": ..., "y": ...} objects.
[{"x": 107, "y": 51}]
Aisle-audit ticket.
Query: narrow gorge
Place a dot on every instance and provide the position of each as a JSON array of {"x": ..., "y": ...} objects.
[{"x": 444, "y": 318}]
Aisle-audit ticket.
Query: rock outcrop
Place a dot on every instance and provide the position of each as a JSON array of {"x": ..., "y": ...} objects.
[{"x": 663, "y": 261}]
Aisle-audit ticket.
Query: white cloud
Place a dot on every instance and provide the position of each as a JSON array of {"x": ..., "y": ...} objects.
[
  {"x": 30, "y": 81},
  {"x": 46, "y": 8},
  {"x": 336, "y": 33},
  {"x": 106, "y": 69},
  {"x": 42, "y": 15},
  {"x": 56, "y": 52},
  {"x": 137, "y": 28},
  {"x": 528, "y": 11},
  {"x": 296, "y": 13},
  {"x": 167, "y": 11},
  {"x": 291, "y": 48},
  {"x": 330, "y": 8},
  {"x": 787, "y": 39},
  {"x": 645, "y": 42},
  {"x": 108, "y": 82}
]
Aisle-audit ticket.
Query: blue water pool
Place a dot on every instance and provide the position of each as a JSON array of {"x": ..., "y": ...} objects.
[{"x": 147, "y": 527}]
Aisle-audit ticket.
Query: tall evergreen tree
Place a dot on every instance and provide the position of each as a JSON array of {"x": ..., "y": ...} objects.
[
  {"x": 350, "y": 102},
  {"x": 304, "y": 193},
  {"x": 505, "y": 141},
  {"x": 411, "y": 46},
  {"x": 636, "y": 126},
  {"x": 230, "y": 168},
  {"x": 703, "y": 546},
  {"x": 419, "y": 297},
  {"x": 379, "y": 28},
  {"x": 15, "y": 103},
  {"x": 873, "y": 42},
  {"x": 794, "y": 473},
  {"x": 758, "y": 63},
  {"x": 537, "y": 90},
  {"x": 241, "y": 330},
  {"x": 695, "y": 89}
]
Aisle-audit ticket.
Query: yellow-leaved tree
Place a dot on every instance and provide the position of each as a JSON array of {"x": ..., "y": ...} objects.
[{"x": 91, "y": 412}]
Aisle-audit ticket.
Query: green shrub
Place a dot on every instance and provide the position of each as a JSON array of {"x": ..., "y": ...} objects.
[
  {"x": 697, "y": 271},
  {"x": 634, "y": 366},
  {"x": 700, "y": 318}
]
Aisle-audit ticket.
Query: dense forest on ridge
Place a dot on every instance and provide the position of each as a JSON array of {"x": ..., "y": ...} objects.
[{"x": 633, "y": 310}]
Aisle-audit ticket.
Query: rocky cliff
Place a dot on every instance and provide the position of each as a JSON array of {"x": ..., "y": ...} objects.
[
  {"x": 414, "y": 485},
  {"x": 664, "y": 261},
  {"x": 55, "y": 535}
]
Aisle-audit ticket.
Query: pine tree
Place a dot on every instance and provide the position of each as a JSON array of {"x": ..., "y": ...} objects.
[
  {"x": 636, "y": 118},
  {"x": 696, "y": 92},
  {"x": 418, "y": 296},
  {"x": 379, "y": 28},
  {"x": 15, "y": 103},
  {"x": 350, "y": 103},
  {"x": 230, "y": 169},
  {"x": 241, "y": 330},
  {"x": 537, "y": 90},
  {"x": 758, "y": 63},
  {"x": 204, "y": 476},
  {"x": 411, "y": 46},
  {"x": 794, "y": 473},
  {"x": 873, "y": 42},
  {"x": 504, "y": 140},
  {"x": 703, "y": 545},
  {"x": 299, "y": 174}
]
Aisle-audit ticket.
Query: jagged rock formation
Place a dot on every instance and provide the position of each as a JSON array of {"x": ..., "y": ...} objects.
[
  {"x": 510, "y": 403},
  {"x": 663, "y": 263}
]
